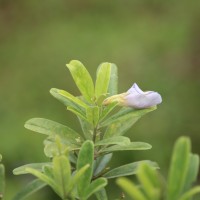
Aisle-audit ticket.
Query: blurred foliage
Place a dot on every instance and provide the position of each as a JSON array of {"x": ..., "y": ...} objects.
[
  {"x": 154, "y": 43},
  {"x": 183, "y": 172}
]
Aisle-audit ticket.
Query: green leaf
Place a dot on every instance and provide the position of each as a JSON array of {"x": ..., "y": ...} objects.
[
  {"x": 102, "y": 80},
  {"x": 178, "y": 168},
  {"x": 131, "y": 189},
  {"x": 119, "y": 123},
  {"x": 100, "y": 163},
  {"x": 62, "y": 174},
  {"x": 48, "y": 170},
  {"x": 82, "y": 79},
  {"x": 77, "y": 112},
  {"x": 86, "y": 156},
  {"x": 2, "y": 181},
  {"x": 131, "y": 146},
  {"x": 190, "y": 193},
  {"x": 95, "y": 110},
  {"x": 37, "y": 166},
  {"x": 113, "y": 84},
  {"x": 106, "y": 110},
  {"x": 119, "y": 128},
  {"x": 74, "y": 101},
  {"x": 69, "y": 100},
  {"x": 49, "y": 127},
  {"x": 120, "y": 140},
  {"x": 73, "y": 104},
  {"x": 44, "y": 178},
  {"x": 51, "y": 148},
  {"x": 101, "y": 194},
  {"x": 87, "y": 128},
  {"x": 77, "y": 176},
  {"x": 149, "y": 181},
  {"x": 128, "y": 169},
  {"x": 0, "y": 157},
  {"x": 29, "y": 189},
  {"x": 126, "y": 113},
  {"x": 89, "y": 115},
  {"x": 192, "y": 171},
  {"x": 92, "y": 114},
  {"x": 95, "y": 186}
]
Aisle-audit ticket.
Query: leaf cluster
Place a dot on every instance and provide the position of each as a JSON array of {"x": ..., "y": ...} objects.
[
  {"x": 179, "y": 185},
  {"x": 78, "y": 166}
]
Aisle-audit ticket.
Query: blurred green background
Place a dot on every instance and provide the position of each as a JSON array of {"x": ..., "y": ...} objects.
[{"x": 155, "y": 43}]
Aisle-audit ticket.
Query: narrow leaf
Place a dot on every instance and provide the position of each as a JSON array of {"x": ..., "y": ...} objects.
[
  {"x": 120, "y": 127},
  {"x": 48, "y": 170},
  {"x": 68, "y": 99},
  {"x": 95, "y": 115},
  {"x": 128, "y": 169},
  {"x": 106, "y": 110},
  {"x": 44, "y": 178},
  {"x": 120, "y": 140},
  {"x": 190, "y": 193},
  {"x": 116, "y": 117},
  {"x": 75, "y": 179},
  {"x": 126, "y": 113},
  {"x": 101, "y": 194},
  {"x": 92, "y": 114},
  {"x": 77, "y": 112},
  {"x": 49, "y": 127},
  {"x": 178, "y": 168},
  {"x": 103, "y": 79},
  {"x": 82, "y": 79},
  {"x": 119, "y": 123},
  {"x": 89, "y": 115},
  {"x": 131, "y": 189},
  {"x": 100, "y": 163},
  {"x": 131, "y": 146},
  {"x": 62, "y": 174},
  {"x": 23, "y": 169},
  {"x": 192, "y": 171},
  {"x": 95, "y": 186},
  {"x": 86, "y": 156},
  {"x": 113, "y": 84},
  {"x": 72, "y": 99},
  {"x": 29, "y": 189},
  {"x": 149, "y": 180},
  {"x": 87, "y": 128}
]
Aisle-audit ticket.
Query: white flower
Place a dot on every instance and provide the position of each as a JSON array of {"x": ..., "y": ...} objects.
[{"x": 135, "y": 98}]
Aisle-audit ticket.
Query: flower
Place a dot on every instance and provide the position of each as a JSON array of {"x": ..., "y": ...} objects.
[{"x": 135, "y": 98}]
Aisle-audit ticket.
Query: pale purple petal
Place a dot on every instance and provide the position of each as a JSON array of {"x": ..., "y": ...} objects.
[
  {"x": 135, "y": 89},
  {"x": 138, "y": 99}
]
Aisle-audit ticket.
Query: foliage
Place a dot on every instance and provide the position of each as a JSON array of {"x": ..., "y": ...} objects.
[
  {"x": 78, "y": 162},
  {"x": 78, "y": 166},
  {"x": 182, "y": 174},
  {"x": 2, "y": 179}
]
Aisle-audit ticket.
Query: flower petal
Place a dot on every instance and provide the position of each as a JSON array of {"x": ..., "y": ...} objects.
[
  {"x": 135, "y": 88},
  {"x": 136, "y": 98}
]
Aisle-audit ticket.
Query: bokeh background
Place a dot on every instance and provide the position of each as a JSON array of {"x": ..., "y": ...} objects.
[{"x": 155, "y": 43}]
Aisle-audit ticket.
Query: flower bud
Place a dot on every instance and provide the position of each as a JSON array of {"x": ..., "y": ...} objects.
[{"x": 135, "y": 98}]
